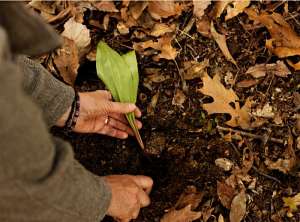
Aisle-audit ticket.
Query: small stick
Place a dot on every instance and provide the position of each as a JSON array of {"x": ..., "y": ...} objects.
[
  {"x": 265, "y": 175},
  {"x": 275, "y": 140}
]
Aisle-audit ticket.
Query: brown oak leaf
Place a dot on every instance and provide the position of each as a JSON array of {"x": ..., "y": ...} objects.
[
  {"x": 221, "y": 41},
  {"x": 182, "y": 215},
  {"x": 223, "y": 101},
  {"x": 284, "y": 42}
]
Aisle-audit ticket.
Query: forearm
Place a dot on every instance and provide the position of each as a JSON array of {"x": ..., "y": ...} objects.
[
  {"x": 40, "y": 179},
  {"x": 52, "y": 96}
]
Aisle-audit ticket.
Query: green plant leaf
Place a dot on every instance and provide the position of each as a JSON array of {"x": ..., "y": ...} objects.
[
  {"x": 130, "y": 60},
  {"x": 120, "y": 76}
]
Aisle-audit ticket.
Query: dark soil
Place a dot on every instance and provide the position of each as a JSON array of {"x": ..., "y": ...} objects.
[{"x": 183, "y": 143}]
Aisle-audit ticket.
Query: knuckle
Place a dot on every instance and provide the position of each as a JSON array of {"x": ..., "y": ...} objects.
[{"x": 134, "y": 189}]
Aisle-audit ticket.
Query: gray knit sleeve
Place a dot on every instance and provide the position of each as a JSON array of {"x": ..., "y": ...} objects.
[
  {"x": 53, "y": 96},
  {"x": 39, "y": 178}
]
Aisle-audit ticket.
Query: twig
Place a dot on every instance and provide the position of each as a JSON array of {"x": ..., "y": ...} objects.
[
  {"x": 262, "y": 138},
  {"x": 265, "y": 175}
]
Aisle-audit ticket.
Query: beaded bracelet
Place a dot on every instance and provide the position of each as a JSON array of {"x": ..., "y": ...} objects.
[{"x": 74, "y": 114}]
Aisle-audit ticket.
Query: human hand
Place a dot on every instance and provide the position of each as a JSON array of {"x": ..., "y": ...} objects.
[
  {"x": 98, "y": 114},
  {"x": 129, "y": 194}
]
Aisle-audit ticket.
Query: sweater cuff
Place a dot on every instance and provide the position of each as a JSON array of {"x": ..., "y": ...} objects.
[{"x": 104, "y": 196}]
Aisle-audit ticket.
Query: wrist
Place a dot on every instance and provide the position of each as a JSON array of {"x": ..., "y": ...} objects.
[{"x": 62, "y": 120}]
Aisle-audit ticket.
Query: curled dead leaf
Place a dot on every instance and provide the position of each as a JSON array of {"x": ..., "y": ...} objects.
[
  {"x": 246, "y": 83},
  {"x": 237, "y": 8},
  {"x": 224, "y": 163},
  {"x": 194, "y": 69},
  {"x": 182, "y": 215},
  {"x": 288, "y": 162},
  {"x": 161, "y": 9},
  {"x": 267, "y": 111},
  {"x": 79, "y": 33},
  {"x": 295, "y": 66},
  {"x": 222, "y": 99},
  {"x": 285, "y": 41},
  {"x": 203, "y": 26},
  {"x": 105, "y": 6},
  {"x": 219, "y": 7},
  {"x": 238, "y": 207},
  {"x": 164, "y": 45},
  {"x": 225, "y": 193},
  {"x": 190, "y": 196},
  {"x": 66, "y": 61},
  {"x": 137, "y": 8},
  {"x": 221, "y": 41},
  {"x": 160, "y": 29},
  {"x": 260, "y": 70},
  {"x": 152, "y": 105},
  {"x": 200, "y": 6},
  {"x": 179, "y": 98}
]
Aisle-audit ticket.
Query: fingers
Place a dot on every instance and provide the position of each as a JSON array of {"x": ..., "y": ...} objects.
[
  {"x": 120, "y": 126},
  {"x": 123, "y": 108},
  {"x": 123, "y": 119},
  {"x": 110, "y": 131},
  {"x": 144, "y": 182},
  {"x": 137, "y": 112},
  {"x": 104, "y": 94},
  {"x": 144, "y": 198}
]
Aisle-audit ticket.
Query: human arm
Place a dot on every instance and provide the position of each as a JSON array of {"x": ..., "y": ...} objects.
[
  {"x": 39, "y": 177},
  {"x": 55, "y": 99}
]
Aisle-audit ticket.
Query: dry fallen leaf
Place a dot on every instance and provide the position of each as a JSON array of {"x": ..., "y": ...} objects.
[
  {"x": 246, "y": 83},
  {"x": 164, "y": 45},
  {"x": 221, "y": 41},
  {"x": 237, "y": 8},
  {"x": 182, "y": 211},
  {"x": 137, "y": 8},
  {"x": 190, "y": 196},
  {"x": 151, "y": 106},
  {"x": 221, "y": 218},
  {"x": 288, "y": 162},
  {"x": 225, "y": 193},
  {"x": 219, "y": 7},
  {"x": 284, "y": 42},
  {"x": 257, "y": 71},
  {"x": 222, "y": 99},
  {"x": 160, "y": 29},
  {"x": 260, "y": 70},
  {"x": 207, "y": 213},
  {"x": 203, "y": 26},
  {"x": 292, "y": 203},
  {"x": 295, "y": 66},
  {"x": 161, "y": 9},
  {"x": 194, "y": 69},
  {"x": 179, "y": 98},
  {"x": 238, "y": 207},
  {"x": 267, "y": 111},
  {"x": 182, "y": 215},
  {"x": 200, "y": 6},
  {"x": 105, "y": 6},
  {"x": 66, "y": 61},
  {"x": 79, "y": 33},
  {"x": 224, "y": 163}
]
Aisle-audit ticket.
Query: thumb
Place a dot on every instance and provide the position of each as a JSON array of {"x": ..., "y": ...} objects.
[{"x": 117, "y": 107}]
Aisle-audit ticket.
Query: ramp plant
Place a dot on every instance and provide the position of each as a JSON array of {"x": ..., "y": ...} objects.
[{"x": 120, "y": 75}]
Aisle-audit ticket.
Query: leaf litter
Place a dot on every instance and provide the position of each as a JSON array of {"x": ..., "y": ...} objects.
[{"x": 250, "y": 74}]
